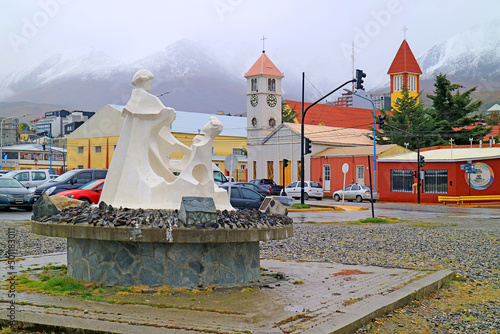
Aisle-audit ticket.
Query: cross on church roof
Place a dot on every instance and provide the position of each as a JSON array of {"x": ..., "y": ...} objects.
[
  {"x": 404, "y": 31},
  {"x": 263, "y": 39}
]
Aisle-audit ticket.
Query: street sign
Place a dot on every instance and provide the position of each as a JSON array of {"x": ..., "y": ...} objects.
[
  {"x": 231, "y": 162},
  {"x": 463, "y": 167},
  {"x": 345, "y": 167}
]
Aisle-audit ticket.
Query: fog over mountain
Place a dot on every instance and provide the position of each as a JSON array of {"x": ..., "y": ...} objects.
[{"x": 193, "y": 80}]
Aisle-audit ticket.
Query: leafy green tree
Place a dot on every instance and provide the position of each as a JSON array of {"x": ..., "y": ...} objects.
[
  {"x": 22, "y": 126},
  {"x": 453, "y": 110},
  {"x": 408, "y": 115},
  {"x": 288, "y": 114}
]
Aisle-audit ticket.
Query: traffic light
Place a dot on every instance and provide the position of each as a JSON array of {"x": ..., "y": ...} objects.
[
  {"x": 359, "y": 79},
  {"x": 414, "y": 173},
  {"x": 381, "y": 121},
  {"x": 422, "y": 161},
  {"x": 285, "y": 163},
  {"x": 307, "y": 144}
]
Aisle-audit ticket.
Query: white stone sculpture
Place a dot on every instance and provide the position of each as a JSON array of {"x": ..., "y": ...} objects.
[{"x": 141, "y": 173}]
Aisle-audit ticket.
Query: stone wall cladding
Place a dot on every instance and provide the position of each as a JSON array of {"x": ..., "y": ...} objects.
[{"x": 189, "y": 265}]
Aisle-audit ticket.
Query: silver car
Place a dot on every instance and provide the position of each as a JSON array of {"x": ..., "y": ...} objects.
[{"x": 358, "y": 192}]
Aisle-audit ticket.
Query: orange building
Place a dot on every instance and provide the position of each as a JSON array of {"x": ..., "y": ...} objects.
[{"x": 405, "y": 73}]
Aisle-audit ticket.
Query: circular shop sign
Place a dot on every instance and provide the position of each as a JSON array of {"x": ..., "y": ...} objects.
[{"x": 483, "y": 178}]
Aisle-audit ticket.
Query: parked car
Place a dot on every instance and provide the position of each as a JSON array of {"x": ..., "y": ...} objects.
[
  {"x": 244, "y": 198},
  {"x": 30, "y": 177},
  {"x": 254, "y": 187},
  {"x": 358, "y": 192},
  {"x": 312, "y": 189},
  {"x": 14, "y": 195},
  {"x": 72, "y": 179},
  {"x": 268, "y": 184},
  {"x": 90, "y": 192}
]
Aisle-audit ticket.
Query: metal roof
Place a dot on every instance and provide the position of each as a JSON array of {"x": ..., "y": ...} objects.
[
  {"x": 32, "y": 147},
  {"x": 448, "y": 154},
  {"x": 193, "y": 122}
]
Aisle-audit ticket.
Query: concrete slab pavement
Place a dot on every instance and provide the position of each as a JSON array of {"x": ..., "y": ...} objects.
[{"x": 316, "y": 297}]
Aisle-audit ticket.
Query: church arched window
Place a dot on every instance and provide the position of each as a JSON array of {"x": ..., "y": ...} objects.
[
  {"x": 271, "y": 85},
  {"x": 398, "y": 82},
  {"x": 254, "y": 85}
]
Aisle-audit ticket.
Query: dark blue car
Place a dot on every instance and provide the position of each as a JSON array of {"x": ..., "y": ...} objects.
[{"x": 14, "y": 195}]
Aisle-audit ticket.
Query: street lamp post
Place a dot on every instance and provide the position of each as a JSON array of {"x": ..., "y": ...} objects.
[
  {"x": 374, "y": 140},
  {"x": 304, "y": 111},
  {"x": 1, "y": 133}
]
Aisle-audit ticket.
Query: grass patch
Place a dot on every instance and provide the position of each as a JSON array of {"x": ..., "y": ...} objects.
[
  {"x": 351, "y": 301},
  {"x": 300, "y": 206},
  {"x": 298, "y": 282}
]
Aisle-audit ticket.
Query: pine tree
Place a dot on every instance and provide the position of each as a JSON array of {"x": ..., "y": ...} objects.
[
  {"x": 452, "y": 110},
  {"x": 408, "y": 115}
]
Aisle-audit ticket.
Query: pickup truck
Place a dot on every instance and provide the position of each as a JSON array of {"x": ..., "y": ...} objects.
[{"x": 268, "y": 184}]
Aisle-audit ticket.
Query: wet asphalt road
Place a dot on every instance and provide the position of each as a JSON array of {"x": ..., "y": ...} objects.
[{"x": 380, "y": 209}]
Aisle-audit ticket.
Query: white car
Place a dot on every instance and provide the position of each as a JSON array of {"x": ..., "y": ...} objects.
[{"x": 312, "y": 189}]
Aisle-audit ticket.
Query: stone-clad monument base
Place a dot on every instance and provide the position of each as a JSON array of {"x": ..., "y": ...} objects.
[{"x": 154, "y": 263}]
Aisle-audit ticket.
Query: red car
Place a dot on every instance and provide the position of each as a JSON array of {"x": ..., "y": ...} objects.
[{"x": 90, "y": 192}]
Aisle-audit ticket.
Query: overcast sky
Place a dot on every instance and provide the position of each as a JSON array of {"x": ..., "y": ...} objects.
[{"x": 313, "y": 36}]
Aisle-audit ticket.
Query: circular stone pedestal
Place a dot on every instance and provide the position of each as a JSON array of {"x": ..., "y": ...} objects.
[
  {"x": 155, "y": 263},
  {"x": 181, "y": 257}
]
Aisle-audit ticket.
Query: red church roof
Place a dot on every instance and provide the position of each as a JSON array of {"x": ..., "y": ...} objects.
[
  {"x": 336, "y": 116},
  {"x": 404, "y": 61},
  {"x": 264, "y": 66}
]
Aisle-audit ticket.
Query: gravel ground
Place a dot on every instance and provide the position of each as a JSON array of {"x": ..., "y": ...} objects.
[{"x": 471, "y": 247}]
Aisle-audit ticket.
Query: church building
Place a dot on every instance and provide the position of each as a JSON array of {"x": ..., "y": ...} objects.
[{"x": 405, "y": 73}]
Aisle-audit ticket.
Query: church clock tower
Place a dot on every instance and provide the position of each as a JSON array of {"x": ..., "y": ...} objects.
[
  {"x": 263, "y": 114},
  {"x": 263, "y": 99}
]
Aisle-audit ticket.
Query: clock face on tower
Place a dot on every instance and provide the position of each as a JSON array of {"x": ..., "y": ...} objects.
[
  {"x": 254, "y": 100},
  {"x": 271, "y": 100}
]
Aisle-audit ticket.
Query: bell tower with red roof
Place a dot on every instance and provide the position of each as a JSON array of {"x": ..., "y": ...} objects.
[
  {"x": 405, "y": 73},
  {"x": 263, "y": 99}
]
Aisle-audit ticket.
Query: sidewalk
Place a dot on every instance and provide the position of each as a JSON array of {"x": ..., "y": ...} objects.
[{"x": 315, "y": 297}]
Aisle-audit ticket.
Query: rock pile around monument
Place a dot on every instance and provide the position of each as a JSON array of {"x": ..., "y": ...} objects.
[{"x": 107, "y": 215}]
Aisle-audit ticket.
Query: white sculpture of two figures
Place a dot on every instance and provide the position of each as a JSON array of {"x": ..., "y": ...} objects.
[{"x": 141, "y": 173}]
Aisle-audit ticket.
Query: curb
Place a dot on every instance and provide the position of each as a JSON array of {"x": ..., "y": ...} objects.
[{"x": 360, "y": 314}]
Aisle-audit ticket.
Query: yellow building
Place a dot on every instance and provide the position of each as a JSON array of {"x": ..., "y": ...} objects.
[
  {"x": 92, "y": 145},
  {"x": 405, "y": 73}
]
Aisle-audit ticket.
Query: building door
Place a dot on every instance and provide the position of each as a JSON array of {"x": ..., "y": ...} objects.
[
  {"x": 288, "y": 174},
  {"x": 360, "y": 174},
  {"x": 326, "y": 178}
]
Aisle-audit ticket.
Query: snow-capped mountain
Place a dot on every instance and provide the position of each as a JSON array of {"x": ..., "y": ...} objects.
[
  {"x": 194, "y": 81},
  {"x": 468, "y": 58}
]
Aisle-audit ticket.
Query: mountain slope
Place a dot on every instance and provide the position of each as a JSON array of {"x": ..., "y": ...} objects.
[{"x": 193, "y": 80}]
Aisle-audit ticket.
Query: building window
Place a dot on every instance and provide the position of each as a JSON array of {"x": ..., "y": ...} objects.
[
  {"x": 254, "y": 85},
  {"x": 401, "y": 180},
  {"x": 412, "y": 83},
  {"x": 254, "y": 163},
  {"x": 80, "y": 150},
  {"x": 435, "y": 181},
  {"x": 271, "y": 85},
  {"x": 80, "y": 167},
  {"x": 398, "y": 82},
  {"x": 238, "y": 151},
  {"x": 98, "y": 149},
  {"x": 298, "y": 170},
  {"x": 270, "y": 170},
  {"x": 360, "y": 172},
  {"x": 243, "y": 167}
]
